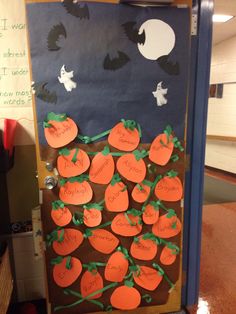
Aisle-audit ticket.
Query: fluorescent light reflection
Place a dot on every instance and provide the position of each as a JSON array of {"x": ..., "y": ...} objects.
[
  {"x": 203, "y": 307},
  {"x": 221, "y": 18}
]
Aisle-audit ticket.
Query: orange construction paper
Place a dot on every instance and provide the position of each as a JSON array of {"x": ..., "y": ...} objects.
[
  {"x": 148, "y": 278},
  {"x": 120, "y": 225},
  {"x": 144, "y": 249},
  {"x": 67, "y": 168},
  {"x": 103, "y": 241},
  {"x": 131, "y": 169},
  {"x": 169, "y": 189},
  {"x": 168, "y": 256},
  {"x": 123, "y": 138},
  {"x": 92, "y": 217},
  {"x": 64, "y": 277},
  {"x": 150, "y": 215},
  {"x": 125, "y": 298},
  {"x": 140, "y": 196},
  {"x": 116, "y": 268},
  {"x": 61, "y": 216},
  {"x": 60, "y": 133},
  {"x": 167, "y": 227},
  {"x": 71, "y": 241},
  {"x": 102, "y": 169},
  {"x": 116, "y": 197},
  {"x": 91, "y": 282},
  {"x": 76, "y": 193},
  {"x": 161, "y": 150}
]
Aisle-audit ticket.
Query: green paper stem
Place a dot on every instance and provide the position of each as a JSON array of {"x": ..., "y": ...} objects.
[
  {"x": 57, "y": 308},
  {"x": 114, "y": 154},
  {"x": 115, "y": 179},
  {"x": 88, "y": 232},
  {"x": 125, "y": 252},
  {"x": 54, "y": 117},
  {"x": 106, "y": 150},
  {"x": 140, "y": 154},
  {"x": 174, "y": 158},
  {"x": 93, "y": 266},
  {"x": 53, "y": 236},
  {"x": 68, "y": 262},
  {"x": 147, "y": 298},
  {"x": 158, "y": 178},
  {"x": 162, "y": 273},
  {"x": 80, "y": 179},
  {"x": 171, "y": 174},
  {"x": 129, "y": 221},
  {"x": 168, "y": 131},
  {"x": 177, "y": 144},
  {"x": 97, "y": 206},
  {"x": 88, "y": 140},
  {"x": 160, "y": 241},
  {"x": 78, "y": 218},
  {"x": 57, "y": 204},
  {"x": 64, "y": 152},
  {"x": 57, "y": 260},
  {"x": 74, "y": 158}
]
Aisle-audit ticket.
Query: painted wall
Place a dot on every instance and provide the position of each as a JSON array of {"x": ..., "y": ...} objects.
[
  {"x": 222, "y": 112},
  {"x": 16, "y": 103}
]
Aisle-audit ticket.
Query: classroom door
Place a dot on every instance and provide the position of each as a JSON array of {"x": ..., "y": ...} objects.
[{"x": 110, "y": 85}]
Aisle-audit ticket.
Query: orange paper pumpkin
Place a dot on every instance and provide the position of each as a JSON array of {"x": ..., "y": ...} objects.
[
  {"x": 116, "y": 196},
  {"x": 90, "y": 283},
  {"x": 102, "y": 168},
  {"x": 65, "y": 276},
  {"x": 59, "y": 130},
  {"x": 60, "y": 214},
  {"x": 150, "y": 214},
  {"x": 143, "y": 249},
  {"x": 167, "y": 227},
  {"x": 92, "y": 217},
  {"x": 130, "y": 168},
  {"x": 126, "y": 225},
  {"x": 72, "y": 163},
  {"x": 71, "y": 240},
  {"x": 75, "y": 192},
  {"x": 169, "y": 189},
  {"x": 124, "y": 138},
  {"x": 103, "y": 241},
  {"x": 125, "y": 298},
  {"x": 141, "y": 192},
  {"x": 116, "y": 268},
  {"x": 168, "y": 256},
  {"x": 148, "y": 278},
  {"x": 161, "y": 149}
]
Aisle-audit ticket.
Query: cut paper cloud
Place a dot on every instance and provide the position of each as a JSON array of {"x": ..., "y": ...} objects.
[
  {"x": 160, "y": 95},
  {"x": 66, "y": 79}
]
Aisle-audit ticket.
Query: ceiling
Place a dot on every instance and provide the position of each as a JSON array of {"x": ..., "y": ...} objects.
[{"x": 223, "y": 31}]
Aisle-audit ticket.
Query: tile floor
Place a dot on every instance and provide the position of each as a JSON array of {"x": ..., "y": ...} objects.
[{"x": 218, "y": 260}]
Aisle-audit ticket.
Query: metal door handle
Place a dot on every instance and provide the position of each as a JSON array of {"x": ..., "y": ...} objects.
[{"x": 50, "y": 182}]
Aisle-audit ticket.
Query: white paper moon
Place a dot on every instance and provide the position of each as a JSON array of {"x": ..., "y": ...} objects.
[{"x": 159, "y": 41}]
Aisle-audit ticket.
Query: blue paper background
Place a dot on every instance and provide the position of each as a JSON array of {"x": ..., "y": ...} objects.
[{"x": 103, "y": 97}]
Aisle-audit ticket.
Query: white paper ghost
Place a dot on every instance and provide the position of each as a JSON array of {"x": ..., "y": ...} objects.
[
  {"x": 66, "y": 79},
  {"x": 159, "y": 94}
]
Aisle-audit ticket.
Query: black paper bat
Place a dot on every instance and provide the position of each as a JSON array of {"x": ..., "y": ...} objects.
[
  {"x": 132, "y": 33},
  {"x": 168, "y": 66},
  {"x": 76, "y": 10},
  {"x": 115, "y": 63},
  {"x": 53, "y": 36},
  {"x": 43, "y": 93}
]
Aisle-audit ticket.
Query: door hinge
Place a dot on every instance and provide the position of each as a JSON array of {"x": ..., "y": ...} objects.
[{"x": 194, "y": 25}]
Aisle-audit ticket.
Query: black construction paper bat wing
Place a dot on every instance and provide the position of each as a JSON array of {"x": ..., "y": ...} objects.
[
  {"x": 168, "y": 66},
  {"x": 54, "y": 35},
  {"x": 75, "y": 9},
  {"x": 115, "y": 63},
  {"x": 43, "y": 93},
  {"x": 133, "y": 34}
]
